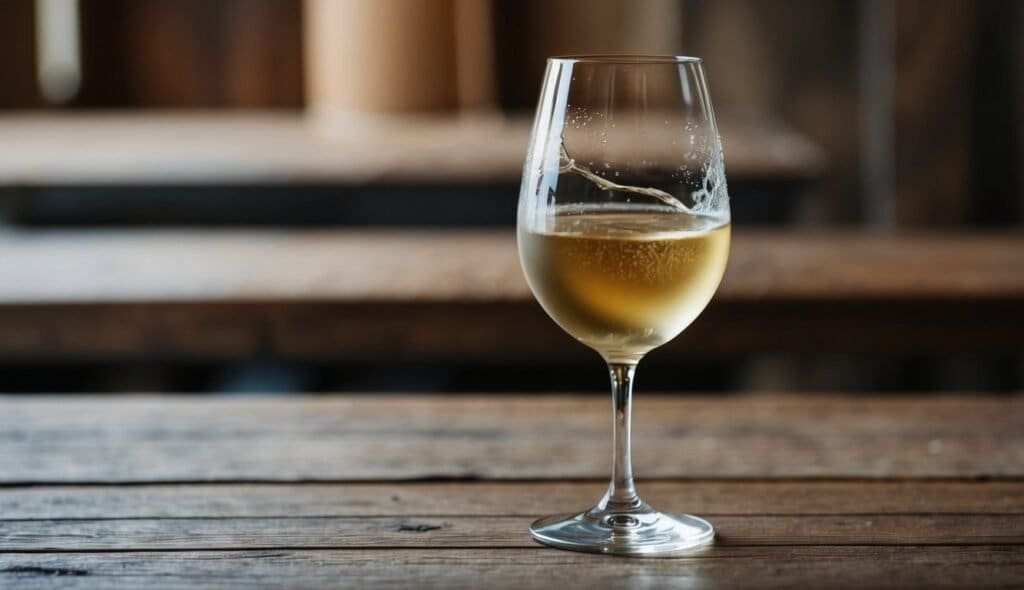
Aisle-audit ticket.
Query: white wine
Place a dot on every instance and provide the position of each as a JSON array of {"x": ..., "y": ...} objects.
[{"x": 624, "y": 282}]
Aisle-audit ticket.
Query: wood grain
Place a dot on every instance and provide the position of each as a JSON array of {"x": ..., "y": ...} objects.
[
  {"x": 728, "y": 567},
  {"x": 282, "y": 148},
  {"x": 891, "y": 530},
  {"x": 492, "y": 531},
  {"x": 483, "y": 498},
  {"x": 154, "y": 439},
  {"x": 423, "y": 295}
]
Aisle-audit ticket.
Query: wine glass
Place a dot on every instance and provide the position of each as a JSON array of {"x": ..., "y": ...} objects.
[{"x": 623, "y": 232}]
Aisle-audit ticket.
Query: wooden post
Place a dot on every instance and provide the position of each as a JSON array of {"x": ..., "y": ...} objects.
[
  {"x": 931, "y": 111},
  {"x": 474, "y": 55},
  {"x": 383, "y": 57}
]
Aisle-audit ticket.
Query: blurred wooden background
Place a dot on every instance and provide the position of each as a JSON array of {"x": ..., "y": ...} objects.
[
  {"x": 877, "y": 116},
  {"x": 916, "y": 103}
]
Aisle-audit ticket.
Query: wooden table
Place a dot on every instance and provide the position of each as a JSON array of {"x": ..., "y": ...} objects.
[
  {"x": 226, "y": 295},
  {"x": 407, "y": 491}
]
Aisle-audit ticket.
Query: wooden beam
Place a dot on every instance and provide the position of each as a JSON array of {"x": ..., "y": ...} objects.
[{"x": 283, "y": 148}]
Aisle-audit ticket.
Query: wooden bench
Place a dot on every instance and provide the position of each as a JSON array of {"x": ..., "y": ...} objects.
[{"x": 443, "y": 295}]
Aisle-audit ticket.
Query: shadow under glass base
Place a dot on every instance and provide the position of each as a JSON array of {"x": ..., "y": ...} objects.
[{"x": 637, "y": 531}]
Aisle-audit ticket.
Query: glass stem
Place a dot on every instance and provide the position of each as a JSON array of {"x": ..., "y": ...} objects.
[{"x": 621, "y": 492}]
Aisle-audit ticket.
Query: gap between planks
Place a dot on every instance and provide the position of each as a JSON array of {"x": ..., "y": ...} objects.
[{"x": 485, "y": 498}]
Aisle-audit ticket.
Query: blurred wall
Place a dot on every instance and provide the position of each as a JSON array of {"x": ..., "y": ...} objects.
[
  {"x": 916, "y": 102},
  {"x": 166, "y": 54},
  {"x": 919, "y": 105}
]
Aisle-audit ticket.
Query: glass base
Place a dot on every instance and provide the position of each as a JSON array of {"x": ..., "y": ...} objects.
[{"x": 637, "y": 531}]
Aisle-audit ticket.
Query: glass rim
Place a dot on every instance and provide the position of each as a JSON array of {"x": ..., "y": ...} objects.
[{"x": 626, "y": 58}]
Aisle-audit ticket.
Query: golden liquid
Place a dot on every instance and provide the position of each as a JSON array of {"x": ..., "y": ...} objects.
[{"x": 625, "y": 282}]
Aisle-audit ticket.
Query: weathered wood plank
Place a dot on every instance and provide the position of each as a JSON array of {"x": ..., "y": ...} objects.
[
  {"x": 386, "y": 532},
  {"x": 727, "y": 567},
  {"x": 507, "y": 497},
  {"x": 154, "y": 439}
]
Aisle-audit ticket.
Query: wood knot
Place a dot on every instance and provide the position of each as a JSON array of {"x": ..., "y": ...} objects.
[
  {"x": 416, "y": 528},
  {"x": 43, "y": 571}
]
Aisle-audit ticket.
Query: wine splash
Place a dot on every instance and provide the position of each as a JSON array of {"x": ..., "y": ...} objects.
[{"x": 567, "y": 164}]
